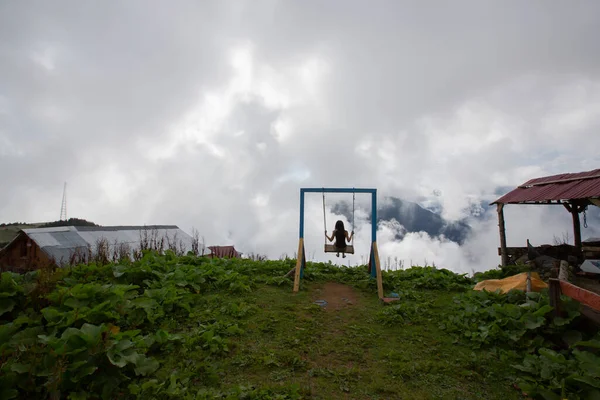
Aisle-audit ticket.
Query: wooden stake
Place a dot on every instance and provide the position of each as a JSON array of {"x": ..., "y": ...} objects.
[
  {"x": 503, "y": 252},
  {"x": 554, "y": 292},
  {"x": 299, "y": 265},
  {"x": 378, "y": 271}
]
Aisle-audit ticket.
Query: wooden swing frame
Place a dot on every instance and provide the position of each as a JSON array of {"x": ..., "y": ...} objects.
[{"x": 374, "y": 264}]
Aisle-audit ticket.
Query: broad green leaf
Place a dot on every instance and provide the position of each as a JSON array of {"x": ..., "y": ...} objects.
[
  {"x": 543, "y": 310},
  {"x": 594, "y": 343},
  {"x": 93, "y": 333},
  {"x": 20, "y": 368},
  {"x": 77, "y": 396},
  {"x": 548, "y": 394},
  {"x": 572, "y": 337},
  {"x": 551, "y": 355},
  {"x": 6, "y": 305},
  {"x": 594, "y": 382},
  {"x": 145, "y": 366}
]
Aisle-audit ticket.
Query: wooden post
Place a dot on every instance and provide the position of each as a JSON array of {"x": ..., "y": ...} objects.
[
  {"x": 503, "y": 252},
  {"x": 574, "y": 209},
  {"x": 563, "y": 273},
  {"x": 298, "y": 265},
  {"x": 554, "y": 292},
  {"x": 576, "y": 226},
  {"x": 378, "y": 270}
]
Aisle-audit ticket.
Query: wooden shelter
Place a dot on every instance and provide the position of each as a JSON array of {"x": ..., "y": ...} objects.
[
  {"x": 574, "y": 191},
  {"x": 223, "y": 252}
]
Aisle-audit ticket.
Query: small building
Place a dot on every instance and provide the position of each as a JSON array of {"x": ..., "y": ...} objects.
[
  {"x": 574, "y": 191},
  {"x": 59, "y": 246},
  {"x": 223, "y": 252}
]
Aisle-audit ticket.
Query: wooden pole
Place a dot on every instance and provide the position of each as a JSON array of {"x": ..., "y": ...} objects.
[
  {"x": 378, "y": 270},
  {"x": 298, "y": 265},
  {"x": 574, "y": 209},
  {"x": 503, "y": 253},
  {"x": 554, "y": 292}
]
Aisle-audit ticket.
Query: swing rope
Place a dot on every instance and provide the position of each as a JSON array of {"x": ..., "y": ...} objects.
[
  {"x": 324, "y": 217},
  {"x": 353, "y": 200}
]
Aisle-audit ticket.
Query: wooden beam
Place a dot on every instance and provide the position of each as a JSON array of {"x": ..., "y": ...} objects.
[
  {"x": 503, "y": 252},
  {"x": 378, "y": 270},
  {"x": 575, "y": 210},
  {"x": 580, "y": 294},
  {"x": 590, "y": 314}
]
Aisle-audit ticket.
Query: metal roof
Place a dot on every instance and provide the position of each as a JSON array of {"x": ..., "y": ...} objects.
[
  {"x": 555, "y": 189},
  {"x": 60, "y": 243},
  {"x": 224, "y": 251}
]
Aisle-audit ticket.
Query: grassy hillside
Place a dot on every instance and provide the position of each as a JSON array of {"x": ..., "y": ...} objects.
[
  {"x": 169, "y": 327},
  {"x": 9, "y": 232}
]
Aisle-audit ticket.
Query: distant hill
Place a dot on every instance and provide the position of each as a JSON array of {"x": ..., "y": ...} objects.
[
  {"x": 69, "y": 222},
  {"x": 414, "y": 218},
  {"x": 8, "y": 231}
]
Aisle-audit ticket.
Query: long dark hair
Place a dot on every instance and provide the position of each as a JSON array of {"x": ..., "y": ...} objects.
[{"x": 340, "y": 232}]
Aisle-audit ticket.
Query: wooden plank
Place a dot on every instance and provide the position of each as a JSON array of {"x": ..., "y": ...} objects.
[
  {"x": 330, "y": 248},
  {"x": 298, "y": 265},
  {"x": 378, "y": 270},
  {"x": 512, "y": 251},
  {"x": 590, "y": 314},
  {"x": 581, "y": 295},
  {"x": 503, "y": 254},
  {"x": 590, "y": 248}
]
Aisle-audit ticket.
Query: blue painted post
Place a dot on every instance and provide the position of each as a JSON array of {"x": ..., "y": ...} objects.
[
  {"x": 374, "y": 216},
  {"x": 301, "y": 213},
  {"x": 372, "y": 267}
]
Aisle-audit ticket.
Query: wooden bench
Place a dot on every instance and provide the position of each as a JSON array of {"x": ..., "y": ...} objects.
[{"x": 329, "y": 248}]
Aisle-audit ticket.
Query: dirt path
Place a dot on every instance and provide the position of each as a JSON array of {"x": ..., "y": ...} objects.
[{"x": 335, "y": 296}]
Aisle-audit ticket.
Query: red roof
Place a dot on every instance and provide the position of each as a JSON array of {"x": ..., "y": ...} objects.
[
  {"x": 555, "y": 188},
  {"x": 224, "y": 251}
]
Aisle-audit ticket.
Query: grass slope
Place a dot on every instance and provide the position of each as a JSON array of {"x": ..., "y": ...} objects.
[
  {"x": 168, "y": 327},
  {"x": 348, "y": 354},
  {"x": 8, "y": 233}
]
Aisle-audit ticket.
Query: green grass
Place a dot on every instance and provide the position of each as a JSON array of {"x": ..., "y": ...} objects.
[
  {"x": 8, "y": 233},
  {"x": 168, "y": 327},
  {"x": 349, "y": 355}
]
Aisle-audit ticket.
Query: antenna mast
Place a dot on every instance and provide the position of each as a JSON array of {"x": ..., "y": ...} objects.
[{"x": 63, "y": 207}]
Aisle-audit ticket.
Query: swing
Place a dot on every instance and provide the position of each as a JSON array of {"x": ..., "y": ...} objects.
[{"x": 330, "y": 248}]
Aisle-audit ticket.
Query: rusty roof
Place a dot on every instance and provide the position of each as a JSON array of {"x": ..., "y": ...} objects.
[
  {"x": 555, "y": 189},
  {"x": 224, "y": 251}
]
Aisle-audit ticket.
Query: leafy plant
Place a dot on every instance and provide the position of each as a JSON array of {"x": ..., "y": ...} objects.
[{"x": 514, "y": 319}]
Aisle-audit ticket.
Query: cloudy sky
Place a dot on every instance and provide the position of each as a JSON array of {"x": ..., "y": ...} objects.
[{"x": 212, "y": 115}]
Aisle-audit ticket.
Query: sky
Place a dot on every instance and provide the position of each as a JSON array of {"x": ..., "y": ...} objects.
[{"x": 213, "y": 115}]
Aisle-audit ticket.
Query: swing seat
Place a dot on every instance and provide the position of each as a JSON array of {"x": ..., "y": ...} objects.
[{"x": 330, "y": 248}]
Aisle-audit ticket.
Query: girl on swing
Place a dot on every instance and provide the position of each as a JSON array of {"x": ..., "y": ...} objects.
[{"x": 340, "y": 235}]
